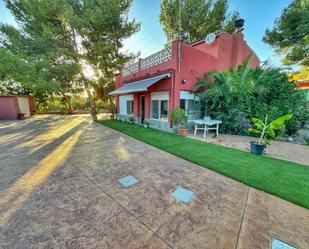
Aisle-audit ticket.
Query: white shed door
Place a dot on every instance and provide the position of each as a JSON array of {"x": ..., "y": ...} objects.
[{"x": 24, "y": 105}]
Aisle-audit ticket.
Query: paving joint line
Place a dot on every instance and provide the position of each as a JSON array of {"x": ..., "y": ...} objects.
[
  {"x": 242, "y": 218},
  {"x": 122, "y": 206}
]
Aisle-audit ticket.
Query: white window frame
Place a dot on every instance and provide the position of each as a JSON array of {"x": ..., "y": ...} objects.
[
  {"x": 186, "y": 95},
  {"x": 123, "y": 103},
  {"x": 131, "y": 107},
  {"x": 160, "y": 96}
]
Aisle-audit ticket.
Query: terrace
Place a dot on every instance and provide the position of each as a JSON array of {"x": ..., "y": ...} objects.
[{"x": 153, "y": 60}]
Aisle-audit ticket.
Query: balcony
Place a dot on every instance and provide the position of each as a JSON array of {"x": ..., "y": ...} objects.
[{"x": 157, "y": 58}]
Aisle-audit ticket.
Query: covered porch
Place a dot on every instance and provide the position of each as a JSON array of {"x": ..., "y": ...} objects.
[
  {"x": 147, "y": 100},
  {"x": 151, "y": 101}
]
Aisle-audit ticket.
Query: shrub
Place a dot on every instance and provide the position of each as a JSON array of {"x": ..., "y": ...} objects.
[
  {"x": 292, "y": 127},
  {"x": 179, "y": 117},
  {"x": 233, "y": 122},
  {"x": 237, "y": 95}
]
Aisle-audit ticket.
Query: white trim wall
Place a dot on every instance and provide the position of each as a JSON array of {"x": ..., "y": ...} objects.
[{"x": 163, "y": 95}]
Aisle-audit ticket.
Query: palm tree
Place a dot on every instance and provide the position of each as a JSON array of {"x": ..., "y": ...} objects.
[
  {"x": 224, "y": 95},
  {"x": 230, "y": 88}
]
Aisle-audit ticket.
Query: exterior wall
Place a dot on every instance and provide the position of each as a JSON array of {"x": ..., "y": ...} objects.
[
  {"x": 194, "y": 64},
  {"x": 32, "y": 104},
  {"x": 8, "y": 107},
  {"x": 230, "y": 50}
]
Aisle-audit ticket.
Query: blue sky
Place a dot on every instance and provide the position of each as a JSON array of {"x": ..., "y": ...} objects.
[{"x": 258, "y": 15}]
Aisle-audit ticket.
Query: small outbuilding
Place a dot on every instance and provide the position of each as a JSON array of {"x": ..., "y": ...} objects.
[{"x": 11, "y": 106}]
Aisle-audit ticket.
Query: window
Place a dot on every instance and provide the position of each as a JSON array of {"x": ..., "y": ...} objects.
[
  {"x": 159, "y": 109},
  {"x": 164, "y": 109},
  {"x": 126, "y": 108},
  {"x": 190, "y": 106},
  {"x": 130, "y": 107},
  {"x": 155, "y": 109},
  {"x": 183, "y": 104}
]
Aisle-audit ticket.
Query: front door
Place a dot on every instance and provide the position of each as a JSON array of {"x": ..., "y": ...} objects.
[{"x": 142, "y": 103}]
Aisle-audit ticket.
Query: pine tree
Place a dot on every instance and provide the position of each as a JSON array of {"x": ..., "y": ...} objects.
[
  {"x": 290, "y": 34},
  {"x": 198, "y": 17},
  {"x": 61, "y": 38}
]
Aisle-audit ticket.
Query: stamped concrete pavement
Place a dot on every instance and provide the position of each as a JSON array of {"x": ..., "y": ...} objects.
[{"x": 59, "y": 189}]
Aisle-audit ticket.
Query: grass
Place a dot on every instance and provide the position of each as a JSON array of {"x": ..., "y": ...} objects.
[{"x": 285, "y": 179}]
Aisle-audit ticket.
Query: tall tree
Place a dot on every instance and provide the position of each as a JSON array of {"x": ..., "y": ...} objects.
[
  {"x": 290, "y": 34},
  {"x": 62, "y": 38},
  {"x": 198, "y": 17}
]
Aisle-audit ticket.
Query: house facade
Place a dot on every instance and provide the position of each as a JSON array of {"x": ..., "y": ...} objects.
[{"x": 151, "y": 88}]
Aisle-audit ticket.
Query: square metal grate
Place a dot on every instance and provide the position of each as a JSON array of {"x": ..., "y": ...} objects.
[
  {"x": 182, "y": 194},
  {"x": 128, "y": 181},
  {"x": 278, "y": 244}
]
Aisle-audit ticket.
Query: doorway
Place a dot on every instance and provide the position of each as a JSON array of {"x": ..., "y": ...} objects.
[{"x": 142, "y": 104}]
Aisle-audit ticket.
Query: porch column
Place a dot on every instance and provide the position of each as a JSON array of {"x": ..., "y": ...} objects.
[
  {"x": 117, "y": 104},
  {"x": 174, "y": 94},
  {"x": 147, "y": 104},
  {"x": 136, "y": 105}
]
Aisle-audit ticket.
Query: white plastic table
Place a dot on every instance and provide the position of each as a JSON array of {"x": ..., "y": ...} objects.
[{"x": 206, "y": 125}]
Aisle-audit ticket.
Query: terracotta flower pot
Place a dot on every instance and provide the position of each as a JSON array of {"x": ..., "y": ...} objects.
[
  {"x": 183, "y": 131},
  {"x": 21, "y": 116}
]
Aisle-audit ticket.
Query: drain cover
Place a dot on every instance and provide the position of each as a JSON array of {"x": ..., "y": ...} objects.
[
  {"x": 278, "y": 244},
  {"x": 182, "y": 194},
  {"x": 127, "y": 181}
]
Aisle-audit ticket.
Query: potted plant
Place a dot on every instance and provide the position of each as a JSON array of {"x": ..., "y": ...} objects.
[
  {"x": 131, "y": 119},
  {"x": 146, "y": 124},
  {"x": 180, "y": 119},
  {"x": 21, "y": 115},
  {"x": 268, "y": 130}
]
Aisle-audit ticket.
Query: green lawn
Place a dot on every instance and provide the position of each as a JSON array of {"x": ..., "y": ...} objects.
[{"x": 288, "y": 180}]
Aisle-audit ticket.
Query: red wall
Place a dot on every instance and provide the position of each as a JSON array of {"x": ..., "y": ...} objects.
[
  {"x": 8, "y": 107},
  {"x": 230, "y": 49},
  {"x": 193, "y": 65}
]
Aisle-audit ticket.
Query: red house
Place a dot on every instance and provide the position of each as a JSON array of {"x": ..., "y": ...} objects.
[{"x": 151, "y": 88}]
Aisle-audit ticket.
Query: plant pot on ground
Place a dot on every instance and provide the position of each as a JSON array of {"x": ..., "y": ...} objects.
[
  {"x": 182, "y": 131},
  {"x": 180, "y": 120},
  {"x": 146, "y": 124},
  {"x": 21, "y": 115},
  {"x": 131, "y": 120},
  {"x": 256, "y": 148},
  {"x": 268, "y": 130}
]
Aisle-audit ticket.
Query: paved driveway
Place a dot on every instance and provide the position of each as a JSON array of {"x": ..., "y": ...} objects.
[{"x": 59, "y": 189}]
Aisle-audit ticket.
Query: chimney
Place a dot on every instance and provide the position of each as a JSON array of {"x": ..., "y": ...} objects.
[{"x": 239, "y": 25}]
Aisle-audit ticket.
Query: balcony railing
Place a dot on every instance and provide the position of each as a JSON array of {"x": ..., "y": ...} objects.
[{"x": 160, "y": 57}]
